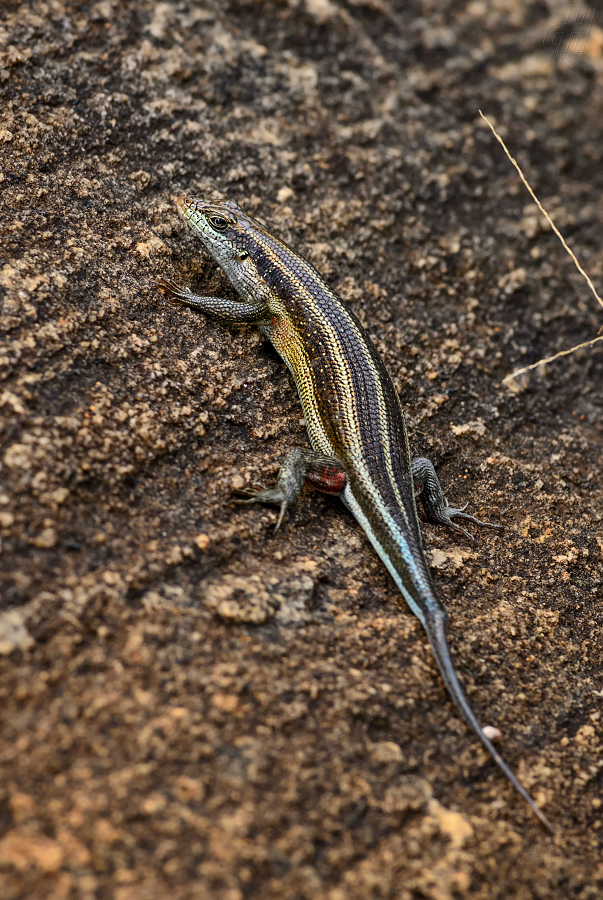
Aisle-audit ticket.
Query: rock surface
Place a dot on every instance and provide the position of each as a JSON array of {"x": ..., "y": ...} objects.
[{"x": 191, "y": 707}]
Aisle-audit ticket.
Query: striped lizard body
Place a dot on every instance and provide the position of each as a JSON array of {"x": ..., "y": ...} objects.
[{"x": 355, "y": 423}]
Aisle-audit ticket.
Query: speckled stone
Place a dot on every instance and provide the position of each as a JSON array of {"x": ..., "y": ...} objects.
[{"x": 190, "y": 707}]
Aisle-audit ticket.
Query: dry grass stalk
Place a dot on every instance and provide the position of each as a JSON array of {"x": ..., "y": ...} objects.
[{"x": 510, "y": 379}]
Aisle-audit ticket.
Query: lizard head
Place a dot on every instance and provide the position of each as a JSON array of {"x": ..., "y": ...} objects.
[
  {"x": 229, "y": 235},
  {"x": 256, "y": 262},
  {"x": 221, "y": 225}
]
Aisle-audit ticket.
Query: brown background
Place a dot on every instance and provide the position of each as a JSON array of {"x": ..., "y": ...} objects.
[{"x": 191, "y": 707}]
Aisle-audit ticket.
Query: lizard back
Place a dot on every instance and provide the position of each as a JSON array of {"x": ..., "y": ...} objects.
[{"x": 350, "y": 404}]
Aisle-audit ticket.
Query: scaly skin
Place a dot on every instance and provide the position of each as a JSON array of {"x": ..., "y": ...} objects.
[{"x": 353, "y": 415}]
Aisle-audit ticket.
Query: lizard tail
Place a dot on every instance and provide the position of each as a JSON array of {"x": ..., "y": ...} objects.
[{"x": 436, "y": 632}]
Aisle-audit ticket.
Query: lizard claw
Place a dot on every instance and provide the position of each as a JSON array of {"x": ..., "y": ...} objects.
[
  {"x": 173, "y": 290},
  {"x": 249, "y": 493},
  {"x": 449, "y": 513},
  {"x": 271, "y": 495}
]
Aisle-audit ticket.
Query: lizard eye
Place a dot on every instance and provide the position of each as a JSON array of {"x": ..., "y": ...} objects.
[
  {"x": 218, "y": 223},
  {"x": 242, "y": 255}
]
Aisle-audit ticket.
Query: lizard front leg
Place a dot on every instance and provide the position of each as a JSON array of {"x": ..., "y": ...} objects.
[
  {"x": 429, "y": 490},
  {"x": 299, "y": 467},
  {"x": 227, "y": 310}
]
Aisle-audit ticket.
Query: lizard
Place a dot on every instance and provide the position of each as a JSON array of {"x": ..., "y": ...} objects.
[{"x": 354, "y": 418}]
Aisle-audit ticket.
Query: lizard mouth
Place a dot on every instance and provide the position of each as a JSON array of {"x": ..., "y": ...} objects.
[{"x": 184, "y": 205}]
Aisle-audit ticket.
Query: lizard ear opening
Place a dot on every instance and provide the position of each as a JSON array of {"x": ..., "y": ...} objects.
[{"x": 242, "y": 255}]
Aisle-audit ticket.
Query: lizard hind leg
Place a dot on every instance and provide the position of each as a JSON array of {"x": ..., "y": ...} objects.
[
  {"x": 429, "y": 490},
  {"x": 299, "y": 467}
]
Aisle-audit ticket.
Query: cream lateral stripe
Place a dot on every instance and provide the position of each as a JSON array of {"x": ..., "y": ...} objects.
[
  {"x": 308, "y": 267},
  {"x": 393, "y": 528},
  {"x": 327, "y": 328},
  {"x": 358, "y": 513},
  {"x": 310, "y": 404},
  {"x": 298, "y": 364},
  {"x": 351, "y": 405},
  {"x": 351, "y": 400}
]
